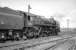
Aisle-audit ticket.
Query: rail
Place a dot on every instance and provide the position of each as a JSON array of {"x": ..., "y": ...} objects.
[{"x": 27, "y": 44}]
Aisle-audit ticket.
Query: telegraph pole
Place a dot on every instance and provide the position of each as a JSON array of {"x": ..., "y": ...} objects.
[
  {"x": 28, "y": 4},
  {"x": 28, "y": 14},
  {"x": 29, "y": 8}
]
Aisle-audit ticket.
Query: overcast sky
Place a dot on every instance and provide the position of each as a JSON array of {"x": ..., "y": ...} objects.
[{"x": 60, "y": 9}]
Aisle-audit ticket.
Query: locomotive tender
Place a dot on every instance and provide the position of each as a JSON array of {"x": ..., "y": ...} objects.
[{"x": 14, "y": 25}]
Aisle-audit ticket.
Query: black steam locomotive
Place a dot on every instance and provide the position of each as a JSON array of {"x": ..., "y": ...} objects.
[{"x": 16, "y": 25}]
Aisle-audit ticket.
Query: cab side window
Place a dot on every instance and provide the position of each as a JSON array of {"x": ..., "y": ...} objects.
[{"x": 29, "y": 18}]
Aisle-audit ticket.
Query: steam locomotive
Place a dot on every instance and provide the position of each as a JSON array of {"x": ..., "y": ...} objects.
[{"x": 15, "y": 25}]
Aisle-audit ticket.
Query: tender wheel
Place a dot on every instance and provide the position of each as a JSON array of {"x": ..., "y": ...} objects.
[
  {"x": 17, "y": 35},
  {"x": 3, "y": 37},
  {"x": 10, "y": 35}
]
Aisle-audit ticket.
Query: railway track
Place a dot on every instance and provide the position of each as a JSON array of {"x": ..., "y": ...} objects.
[
  {"x": 48, "y": 45},
  {"x": 69, "y": 44},
  {"x": 65, "y": 45},
  {"x": 27, "y": 44}
]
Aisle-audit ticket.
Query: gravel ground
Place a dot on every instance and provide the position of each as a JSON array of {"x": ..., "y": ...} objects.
[
  {"x": 68, "y": 45},
  {"x": 41, "y": 43}
]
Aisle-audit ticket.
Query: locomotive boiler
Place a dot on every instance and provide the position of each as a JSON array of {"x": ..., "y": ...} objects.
[
  {"x": 14, "y": 25},
  {"x": 42, "y": 27}
]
